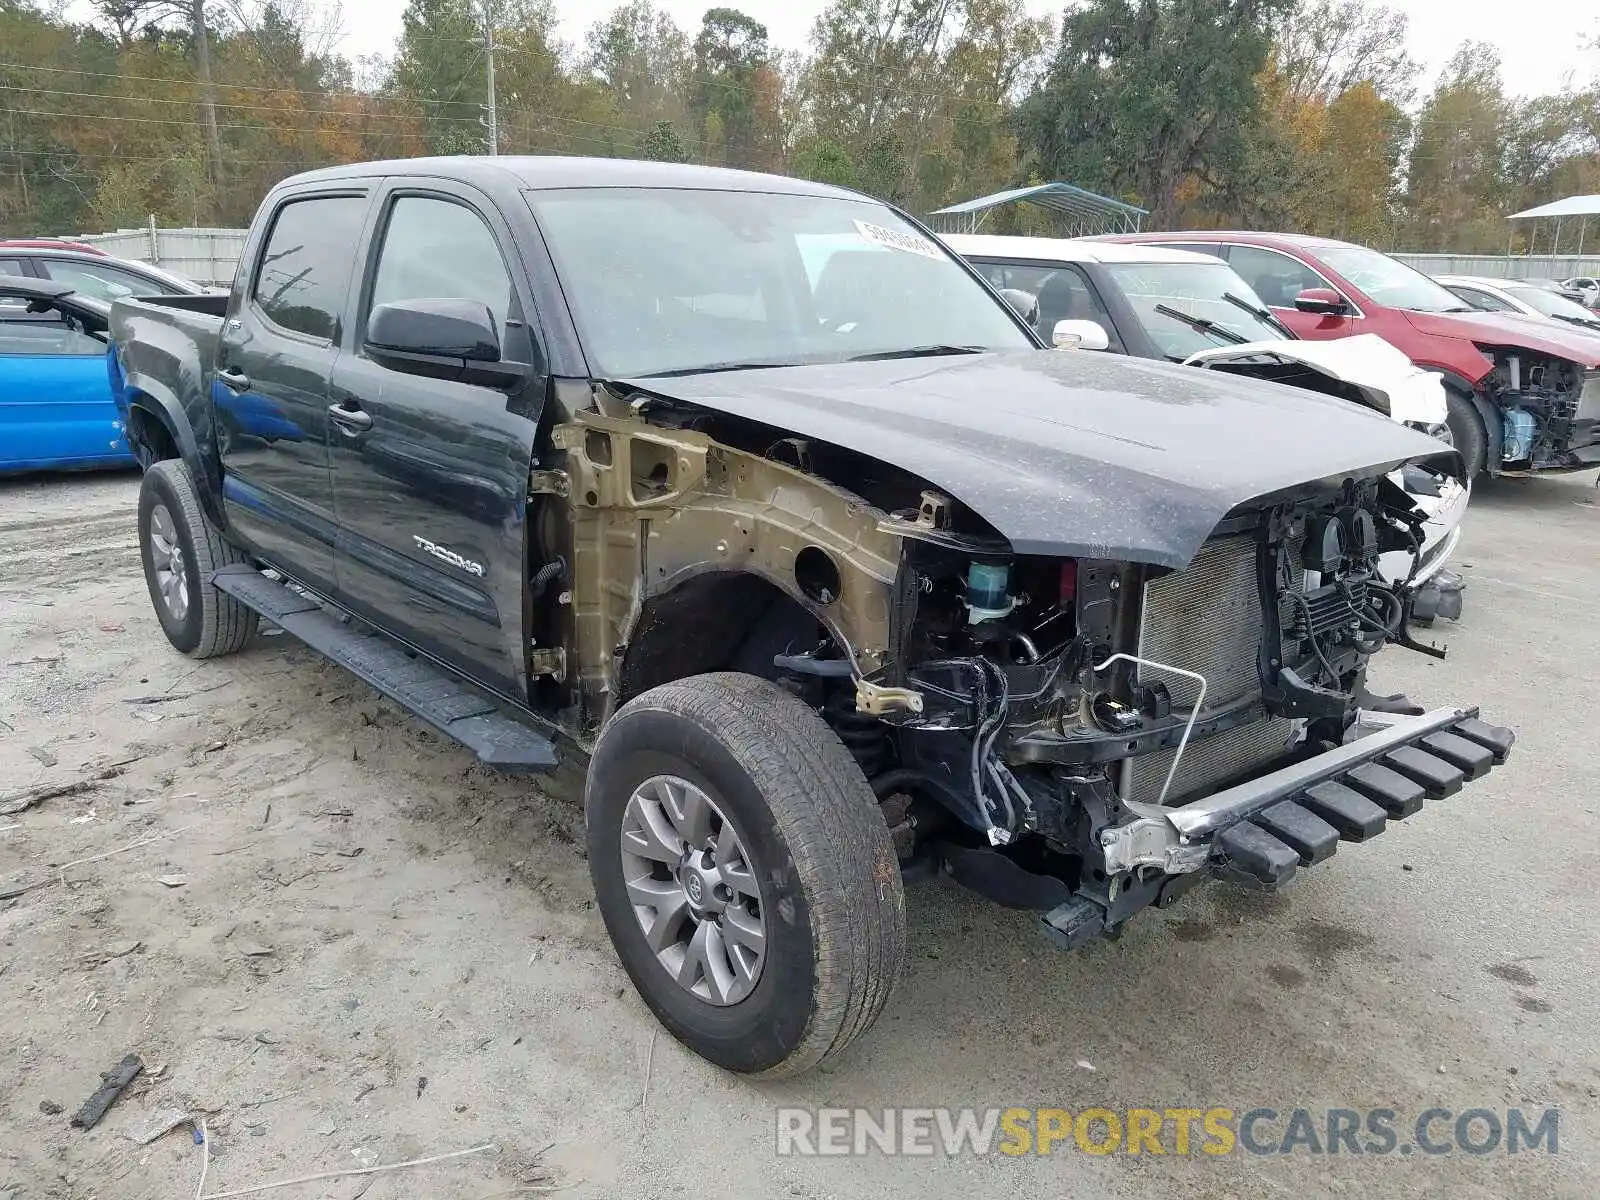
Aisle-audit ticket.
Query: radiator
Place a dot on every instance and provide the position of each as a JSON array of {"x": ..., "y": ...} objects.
[{"x": 1207, "y": 619}]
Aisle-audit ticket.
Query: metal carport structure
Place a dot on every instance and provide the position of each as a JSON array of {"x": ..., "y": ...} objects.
[
  {"x": 1581, "y": 207},
  {"x": 1086, "y": 212}
]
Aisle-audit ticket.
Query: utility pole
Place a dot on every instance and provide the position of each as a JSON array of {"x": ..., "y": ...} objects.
[{"x": 488, "y": 44}]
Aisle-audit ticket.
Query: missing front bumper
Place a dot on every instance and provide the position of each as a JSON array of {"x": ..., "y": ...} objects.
[{"x": 1262, "y": 832}]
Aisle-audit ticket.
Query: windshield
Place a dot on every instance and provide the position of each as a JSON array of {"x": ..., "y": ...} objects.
[
  {"x": 1158, "y": 291},
  {"x": 683, "y": 280},
  {"x": 1389, "y": 281},
  {"x": 1552, "y": 305}
]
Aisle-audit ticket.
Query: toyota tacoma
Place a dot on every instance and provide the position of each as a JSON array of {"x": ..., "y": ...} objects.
[{"x": 827, "y": 568}]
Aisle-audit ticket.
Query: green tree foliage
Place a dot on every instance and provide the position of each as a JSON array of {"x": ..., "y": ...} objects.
[
  {"x": 1292, "y": 114},
  {"x": 662, "y": 144},
  {"x": 1145, "y": 95}
]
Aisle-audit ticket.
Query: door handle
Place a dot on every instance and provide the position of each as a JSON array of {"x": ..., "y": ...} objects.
[
  {"x": 350, "y": 420},
  {"x": 234, "y": 380}
]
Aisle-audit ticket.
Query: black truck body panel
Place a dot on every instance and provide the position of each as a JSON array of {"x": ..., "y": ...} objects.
[{"x": 1071, "y": 454}]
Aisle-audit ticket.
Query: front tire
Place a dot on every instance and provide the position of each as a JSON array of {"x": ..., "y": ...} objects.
[
  {"x": 1466, "y": 433},
  {"x": 744, "y": 873},
  {"x": 181, "y": 550}
]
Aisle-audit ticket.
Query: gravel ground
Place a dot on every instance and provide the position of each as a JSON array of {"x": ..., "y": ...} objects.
[{"x": 349, "y": 945}]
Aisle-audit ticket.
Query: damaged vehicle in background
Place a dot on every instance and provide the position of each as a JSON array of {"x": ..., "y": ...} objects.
[
  {"x": 1155, "y": 302},
  {"x": 1524, "y": 397},
  {"x": 1520, "y": 298},
  {"x": 830, "y": 576}
]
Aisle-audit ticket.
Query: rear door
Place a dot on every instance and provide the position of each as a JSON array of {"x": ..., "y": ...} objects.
[
  {"x": 55, "y": 399},
  {"x": 430, "y": 475},
  {"x": 274, "y": 359}
]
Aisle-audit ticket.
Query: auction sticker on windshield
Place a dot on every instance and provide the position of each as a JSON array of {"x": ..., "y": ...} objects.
[{"x": 895, "y": 240}]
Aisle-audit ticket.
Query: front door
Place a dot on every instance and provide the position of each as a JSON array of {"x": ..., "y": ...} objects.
[
  {"x": 270, "y": 393},
  {"x": 1278, "y": 278},
  {"x": 430, "y": 476}
]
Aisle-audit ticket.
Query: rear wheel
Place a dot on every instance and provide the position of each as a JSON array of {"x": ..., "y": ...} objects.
[
  {"x": 744, "y": 872},
  {"x": 1466, "y": 432},
  {"x": 181, "y": 551}
]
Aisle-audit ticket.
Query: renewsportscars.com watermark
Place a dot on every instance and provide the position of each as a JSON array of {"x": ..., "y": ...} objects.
[{"x": 1202, "y": 1132}]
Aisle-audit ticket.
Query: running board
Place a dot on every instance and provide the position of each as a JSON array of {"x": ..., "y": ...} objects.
[{"x": 414, "y": 683}]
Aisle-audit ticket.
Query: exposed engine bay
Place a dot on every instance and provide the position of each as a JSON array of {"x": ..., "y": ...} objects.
[
  {"x": 1041, "y": 696},
  {"x": 1549, "y": 407},
  {"x": 1035, "y": 705}
]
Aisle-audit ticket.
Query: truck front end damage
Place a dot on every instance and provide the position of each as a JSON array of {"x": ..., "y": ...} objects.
[
  {"x": 1089, "y": 737},
  {"x": 1061, "y": 720},
  {"x": 1549, "y": 411}
]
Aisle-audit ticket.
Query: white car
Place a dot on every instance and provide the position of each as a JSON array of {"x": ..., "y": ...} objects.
[
  {"x": 1516, "y": 296},
  {"x": 1154, "y": 302}
]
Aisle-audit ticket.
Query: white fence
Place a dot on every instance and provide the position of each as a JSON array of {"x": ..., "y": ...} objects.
[
  {"x": 1503, "y": 266},
  {"x": 203, "y": 255}
]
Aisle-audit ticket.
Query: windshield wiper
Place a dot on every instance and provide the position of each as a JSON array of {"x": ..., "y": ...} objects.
[
  {"x": 915, "y": 352},
  {"x": 1203, "y": 324},
  {"x": 715, "y": 367},
  {"x": 1580, "y": 322},
  {"x": 1260, "y": 314}
]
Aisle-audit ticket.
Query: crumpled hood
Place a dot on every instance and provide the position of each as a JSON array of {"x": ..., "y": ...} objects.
[
  {"x": 1365, "y": 361},
  {"x": 1509, "y": 329},
  {"x": 1069, "y": 453}
]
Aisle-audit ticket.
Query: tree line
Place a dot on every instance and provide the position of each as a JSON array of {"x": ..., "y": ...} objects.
[{"x": 1289, "y": 114}]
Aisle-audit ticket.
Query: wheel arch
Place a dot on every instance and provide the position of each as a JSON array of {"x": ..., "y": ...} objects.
[
  {"x": 1488, "y": 414},
  {"x": 707, "y": 619}
]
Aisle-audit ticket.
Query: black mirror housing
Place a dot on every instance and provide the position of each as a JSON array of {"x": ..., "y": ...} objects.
[{"x": 442, "y": 328}]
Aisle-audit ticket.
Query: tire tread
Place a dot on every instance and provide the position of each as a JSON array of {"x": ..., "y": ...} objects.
[{"x": 226, "y": 624}]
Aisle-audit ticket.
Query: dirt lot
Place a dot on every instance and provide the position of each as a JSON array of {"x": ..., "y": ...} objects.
[{"x": 349, "y": 945}]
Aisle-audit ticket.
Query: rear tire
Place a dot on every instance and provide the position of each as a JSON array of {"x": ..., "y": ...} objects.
[
  {"x": 773, "y": 781},
  {"x": 1467, "y": 433},
  {"x": 181, "y": 550}
]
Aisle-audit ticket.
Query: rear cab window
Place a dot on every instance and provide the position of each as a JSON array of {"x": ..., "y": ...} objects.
[{"x": 304, "y": 269}]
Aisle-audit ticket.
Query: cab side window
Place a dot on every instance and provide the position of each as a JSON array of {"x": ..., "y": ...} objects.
[
  {"x": 305, "y": 266},
  {"x": 437, "y": 249},
  {"x": 1275, "y": 277}
]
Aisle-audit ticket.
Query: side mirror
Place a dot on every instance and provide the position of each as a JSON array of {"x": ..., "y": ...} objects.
[
  {"x": 1080, "y": 335},
  {"x": 1325, "y": 301},
  {"x": 462, "y": 329}
]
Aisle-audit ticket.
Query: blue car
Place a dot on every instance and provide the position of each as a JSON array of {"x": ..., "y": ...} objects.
[{"x": 56, "y": 408}]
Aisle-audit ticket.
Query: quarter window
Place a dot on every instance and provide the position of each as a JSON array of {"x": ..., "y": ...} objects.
[
  {"x": 1275, "y": 277},
  {"x": 305, "y": 267},
  {"x": 439, "y": 250}
]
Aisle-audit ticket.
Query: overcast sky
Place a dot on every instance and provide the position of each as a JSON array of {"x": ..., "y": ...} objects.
[{"x": 1541, "y": 41}]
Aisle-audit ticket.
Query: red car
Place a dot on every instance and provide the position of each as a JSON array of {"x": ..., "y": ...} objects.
[{"x": 1524, "y": 395}]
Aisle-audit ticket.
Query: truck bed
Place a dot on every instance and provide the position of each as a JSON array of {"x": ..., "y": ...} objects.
[{"x": 165, "y": 350}]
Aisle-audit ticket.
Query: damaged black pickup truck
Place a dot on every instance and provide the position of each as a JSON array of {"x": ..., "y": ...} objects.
[{"x": 829, "y": 569}]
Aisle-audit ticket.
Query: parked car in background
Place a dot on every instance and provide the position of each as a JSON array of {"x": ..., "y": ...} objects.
[
  {"x": 1154, "y": 302},
  {"x": 1524, "y": 396},
  {"x": 56, "y": 409},
  {"x": 1586, "y": 287},
  {"x": 1514, "y": 296},
  {"x": 89, "y": 270}
]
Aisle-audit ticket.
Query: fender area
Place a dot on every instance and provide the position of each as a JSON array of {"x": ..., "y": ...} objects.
[
  {"x": 1487, "y": 412},
  {"x": 691, "y": 555},
  {"x": 718, "y": 621},
  {"x": 159, "y": 428}
]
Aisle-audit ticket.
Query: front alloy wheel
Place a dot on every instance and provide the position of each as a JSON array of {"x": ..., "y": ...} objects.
[
  {"x": 693, "y": 890},
  {"x": 744, "y": 872}
]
